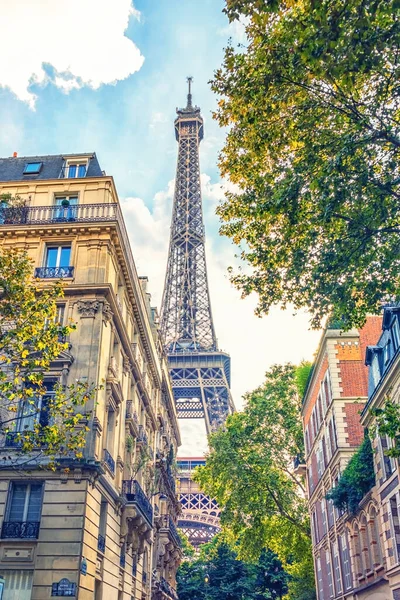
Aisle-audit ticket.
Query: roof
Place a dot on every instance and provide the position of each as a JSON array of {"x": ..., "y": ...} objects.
[{"x": 12, "y": 169}]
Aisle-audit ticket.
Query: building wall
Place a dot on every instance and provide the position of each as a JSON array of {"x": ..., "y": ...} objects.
[
  {"x": 115, "y": 346},
  {"x": 335, "y": 396}
]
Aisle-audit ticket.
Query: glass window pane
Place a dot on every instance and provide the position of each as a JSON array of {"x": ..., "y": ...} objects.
[
  {"x": 65, "y": 256},
  {"x": 72, "y": 171},
  {"x": 17, "y": 502},
  {"x": 35, "y": 502},
  {"x": 81, "y": 170},
  {"x": 33, "y": 167},
  {"x": 51, "y": 258}
]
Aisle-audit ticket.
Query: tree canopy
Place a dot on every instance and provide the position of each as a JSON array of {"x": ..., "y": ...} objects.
[
  {"x": 249, "y": 471},
  {"x": 312, "y": 108},
  {"x": 38, "y": 421},
  {"x": 218, "y": 574}
]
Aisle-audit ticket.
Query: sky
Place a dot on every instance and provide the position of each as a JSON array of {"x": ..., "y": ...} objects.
[{"x": 107, "y": 76}]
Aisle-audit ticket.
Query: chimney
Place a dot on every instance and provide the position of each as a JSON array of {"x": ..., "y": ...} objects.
[{"x": 15, "y": 154}]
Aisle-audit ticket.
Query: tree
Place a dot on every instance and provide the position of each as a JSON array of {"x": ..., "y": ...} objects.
[
  {"x": 312, "y": 106},
  {"x": 356, "y": 480},
  {"x": 218, "y": 574},
  {"x": 39, "y": 422},
  {"x": 249, "y": 472}
]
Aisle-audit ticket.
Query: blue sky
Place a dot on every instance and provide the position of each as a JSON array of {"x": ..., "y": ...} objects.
[{"x": 110, "y": 82}]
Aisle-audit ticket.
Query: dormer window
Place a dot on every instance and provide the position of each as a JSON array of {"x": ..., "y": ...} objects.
[
  {"x": 74, "y": 168},
  {"x": 32, "y": 168}
]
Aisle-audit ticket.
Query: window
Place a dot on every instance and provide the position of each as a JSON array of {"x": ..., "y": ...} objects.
[
  {"x": 324, "y": 520},
  {"x": 17, "y": 584},
  {"x": 29, "y": 413},
  {"x": 396, "y": 333},
  {"x": 23, "y": 511},
  {"x": 66, "y": 208},
  {"x": 385, "y": 443},
  {"x": 32, "y": 168},
  {"x": 345, "y": 562},
  {"x": 327, "y": 388},
  {"x": 386, "y": 353},
  {"x": 58, "y": 256},
  {"x": 336, "y": 566},
  {"x": 319, "y": 580},
  {"x": 25, "y": 502},
  {"x": 101, "y": 540},
  {"x": 74, "y": 170},
  {"x": 329, "y": 572}
]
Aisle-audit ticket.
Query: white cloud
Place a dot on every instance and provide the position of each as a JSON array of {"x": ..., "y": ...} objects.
[
  {"x": 254, "y": 344},
  {"x": 235, "y": 30},
  {"x": 82, "y": 41}
]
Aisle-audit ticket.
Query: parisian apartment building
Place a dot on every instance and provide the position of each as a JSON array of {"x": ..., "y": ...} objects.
[
  {"x": 105, "y": 529},
  {"x": 356, "y": 554}
]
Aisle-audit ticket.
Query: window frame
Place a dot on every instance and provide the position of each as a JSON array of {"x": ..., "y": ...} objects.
[
  {"x": 10, "y": 495},
  {"x": 59, "y": 247},
  {"x": 36, "y": 172}
]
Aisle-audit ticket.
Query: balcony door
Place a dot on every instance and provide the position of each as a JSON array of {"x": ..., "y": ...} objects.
[
  {"x": 58, "y": 259},
  {"x": 66, "y": 208}
]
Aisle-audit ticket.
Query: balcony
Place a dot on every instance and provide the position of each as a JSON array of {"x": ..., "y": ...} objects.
[
  {"x": 13, "y": 439},
  {"x": 168, "y": 525},
  {"x": 136, "y": 496},
  {"x": 101, "y": 543},
  {"x": 299, "y": 467},
  {"x": 109, "y": 461},
  {"x": 54, "y": 272},
  {"x": 142, "y": 437},
  {"x": 166, "y": 588},
  {"x": 132, "y": 419},
  {"x": 27, "y": 530},
  {"x": 38, "y": 215}
]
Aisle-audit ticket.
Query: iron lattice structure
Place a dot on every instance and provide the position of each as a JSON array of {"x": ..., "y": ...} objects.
[
  {"x": 200, "y": 373},
  {"x": 200, "y": 518}
]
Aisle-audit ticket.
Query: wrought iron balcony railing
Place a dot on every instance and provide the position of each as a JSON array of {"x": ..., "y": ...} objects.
[
  {"x": 167, "y": 523},
  {"x": 20, "y": 530},
  {"x": 54, "y": 272},
  {"x": 142, "y": 437},
  {"x": 110, "y": 462},
  {"x": 167, "y": 588},
  {"x": 36, "y": 215},
  {"x": 131, "y": 413},
  {"x": 101, "y": 543},
  {"x": 134, "y": 493},
  {"x": 13, "y": 440}
]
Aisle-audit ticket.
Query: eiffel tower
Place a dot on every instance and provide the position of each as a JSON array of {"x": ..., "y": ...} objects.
[{"x": 200, "y": 373}]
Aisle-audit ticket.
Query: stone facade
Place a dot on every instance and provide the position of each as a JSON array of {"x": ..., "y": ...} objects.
[
  {"x": 105, "y": 529},
  {"x": 336, "y": 394}
]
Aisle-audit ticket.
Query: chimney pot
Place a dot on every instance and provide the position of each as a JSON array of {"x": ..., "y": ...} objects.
[{"x": 15, "y": 154}]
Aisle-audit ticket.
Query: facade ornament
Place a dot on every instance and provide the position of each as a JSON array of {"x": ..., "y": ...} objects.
[
  {"x": 88, "y": 308},
  {"x": 107, "y": 312}
]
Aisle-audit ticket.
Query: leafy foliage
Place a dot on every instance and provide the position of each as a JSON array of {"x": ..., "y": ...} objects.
[
  {"x": 249, "y": 472},
  {"x": 387, "y": 422},
  {"x": 30, "y": 339},
  {"x": 217, "y": 574},
  {"x": 312, "y": 106},
  {"x": 356, "y": 480}
]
